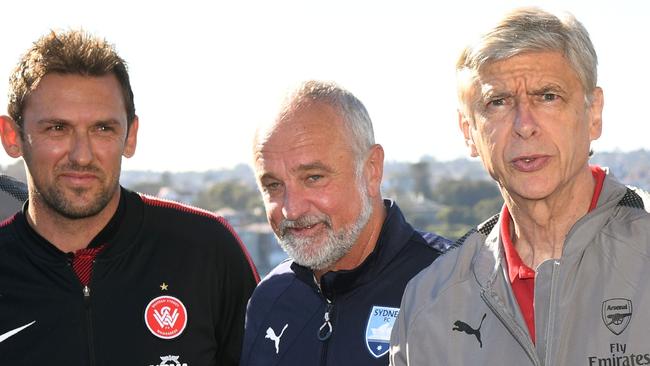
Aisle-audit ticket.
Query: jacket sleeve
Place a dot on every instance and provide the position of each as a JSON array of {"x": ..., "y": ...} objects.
[
  {"x": 238, "y": 280},
  {"x": 398, "y": 338}
]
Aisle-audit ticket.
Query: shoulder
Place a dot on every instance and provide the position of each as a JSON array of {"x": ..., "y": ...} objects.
[
  {"x": 453, "y": 267},
  {"x": 276, "y": 281},
  {"x": 432, "y": 241},
  {"x": 193, "y": 227},
  {"x": 13, "y": 187}
]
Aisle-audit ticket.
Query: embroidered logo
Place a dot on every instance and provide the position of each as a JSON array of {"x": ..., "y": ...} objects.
[
  {"x": 270, "y": 334},
  {"x": 460, "y": 326},
  {"x": 380, "y": 325},
  {"x": 170, "y": 361},
  {"x": 165, "y": 317},
  {"x": 12, "y": 332},
  {"x": 617, "y": 314}
]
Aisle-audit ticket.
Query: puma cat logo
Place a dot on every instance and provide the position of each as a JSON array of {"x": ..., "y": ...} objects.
[
  {"x": 270, "y": 334},
  {"x": 460, "y": 326}
]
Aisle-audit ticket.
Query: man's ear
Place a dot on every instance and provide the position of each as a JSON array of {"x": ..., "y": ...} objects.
[
  {"x": 10, "y": 136},
  {"x": 465, "y": 127},
  {"x": 596, "y": 121},
  {"x": 374, "y": 170},
  {"x": 131, "y": 139}
]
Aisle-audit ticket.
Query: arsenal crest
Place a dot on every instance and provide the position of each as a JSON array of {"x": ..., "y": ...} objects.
[
  {"x": 380, "y": 325},
  {"x": 617, "y": 314},
  {"x": 165, "y": 317}
]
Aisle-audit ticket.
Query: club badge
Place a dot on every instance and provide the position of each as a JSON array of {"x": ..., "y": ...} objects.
[
  {"x": 166, "y": 317},
  {"x": 617, "y": 314},
  {"x": 380, "y": 325}
]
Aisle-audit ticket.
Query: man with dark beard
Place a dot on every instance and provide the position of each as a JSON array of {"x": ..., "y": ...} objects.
[
  {"x": 91, "y": 273},
  {"x": 352, "y": 253}
]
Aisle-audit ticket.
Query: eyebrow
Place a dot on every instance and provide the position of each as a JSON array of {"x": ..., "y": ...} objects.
[
  {"x": 547, "y": 88},
  {"x": 316, "y": 165}
]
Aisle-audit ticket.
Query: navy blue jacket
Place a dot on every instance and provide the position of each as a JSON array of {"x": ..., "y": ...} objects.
[{"x": 287, "y": 309}]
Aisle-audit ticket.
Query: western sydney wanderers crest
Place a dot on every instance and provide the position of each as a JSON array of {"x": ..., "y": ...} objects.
[
  {"x": 165, "y": 317},
  {"x": 380, "y": 325},
  {"x": 617, "y": 314}
]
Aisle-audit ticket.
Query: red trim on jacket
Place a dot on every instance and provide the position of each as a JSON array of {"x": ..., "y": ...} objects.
[{"x": 155, "y": 201}]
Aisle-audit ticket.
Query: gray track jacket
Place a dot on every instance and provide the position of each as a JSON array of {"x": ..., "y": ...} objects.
[{"x": 592, "y": 306}]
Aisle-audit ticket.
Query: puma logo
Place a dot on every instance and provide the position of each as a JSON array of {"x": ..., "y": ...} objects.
[
  {"x": 460, "y": 326},
  {"x": 270, "y": 334}
]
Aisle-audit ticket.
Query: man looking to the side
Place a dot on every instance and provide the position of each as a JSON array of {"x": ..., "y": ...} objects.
[{"x": 352, "y": 252}]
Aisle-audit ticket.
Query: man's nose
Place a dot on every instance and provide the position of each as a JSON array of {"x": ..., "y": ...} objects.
[
  {"x": 81, "y": 152},
  {"x": 525, "y": 124},
  {"x": 295, "y": 203}
]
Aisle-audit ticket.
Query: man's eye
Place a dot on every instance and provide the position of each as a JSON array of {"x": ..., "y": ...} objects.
[
  {"x": 549, "y": 97},
  {"x": 271, "y": 186},
  {"x": 105, "y": 128},
  {"x": 56, "y": 128},
  {"x": 497, "y": 102},
  {"x": 314, "y": 178}
]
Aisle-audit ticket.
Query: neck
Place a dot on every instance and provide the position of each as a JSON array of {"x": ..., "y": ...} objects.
[
  {"x": 68, "y": 235},
  {"x": 364, "y": 245},
  {"x": 539, "y": 227}
]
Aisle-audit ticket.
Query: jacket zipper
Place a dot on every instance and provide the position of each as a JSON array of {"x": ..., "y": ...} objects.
[
  {"x": 85, "y": 290},
  {"x": 326, "y": 329},
  {"x": 550, "y": 346},
  {"x": 89, "y": 324},
  {"x": 520, "y": 336}
]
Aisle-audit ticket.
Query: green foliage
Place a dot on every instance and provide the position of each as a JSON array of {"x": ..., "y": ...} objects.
[
  {"x": 233, "y": 194},
  {"x": 464, "y": 192}
]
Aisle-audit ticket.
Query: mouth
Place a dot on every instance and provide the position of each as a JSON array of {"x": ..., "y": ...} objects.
[
  {"x": 530, "y": 163},
  {"x": 78, "y": 179}
]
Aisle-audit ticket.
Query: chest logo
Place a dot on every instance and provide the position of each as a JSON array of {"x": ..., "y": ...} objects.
[
  {"x": 617, "y": 314},
  {"x": 166, "y": 317},
  {"x": 270, "y": 334},
  {"x": 380, "y": 325},
  {"x": 461, "y": 326},
  {"x": 170, "y": 361}
]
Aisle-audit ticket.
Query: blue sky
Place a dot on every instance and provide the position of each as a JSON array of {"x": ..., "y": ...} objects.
[{"x": 205, "y": 73}]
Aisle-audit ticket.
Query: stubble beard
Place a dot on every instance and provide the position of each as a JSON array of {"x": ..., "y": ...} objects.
[
  {"x": 336, "y": 244},
  {"x": 64, "y": 201}
]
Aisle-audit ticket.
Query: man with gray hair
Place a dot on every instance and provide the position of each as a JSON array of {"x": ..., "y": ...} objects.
[
  {"x": 352, "y": 253},
  {"x": 560, "y": 276}
]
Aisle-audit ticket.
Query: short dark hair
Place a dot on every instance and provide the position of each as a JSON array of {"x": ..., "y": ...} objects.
[{"x": 67, "y": 52}]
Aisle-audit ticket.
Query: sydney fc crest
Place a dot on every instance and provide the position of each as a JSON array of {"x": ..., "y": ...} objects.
[
  {"x": 380, "y": 325},
  {"x": 617, "y": 314}
]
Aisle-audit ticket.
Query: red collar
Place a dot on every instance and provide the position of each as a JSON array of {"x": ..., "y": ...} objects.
[{"x": 516, "y": 267}]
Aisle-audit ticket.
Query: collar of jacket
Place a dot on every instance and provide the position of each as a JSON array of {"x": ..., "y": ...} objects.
[
  {"x": 119, "y": 231},
  {"x": 489, "y": 258},
  {"x": 394, "y": 235}
]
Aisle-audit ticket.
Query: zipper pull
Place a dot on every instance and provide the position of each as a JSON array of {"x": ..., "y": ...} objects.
[
  {"x": 86, "y": 291},
  {"x": 325, "y": 330}
]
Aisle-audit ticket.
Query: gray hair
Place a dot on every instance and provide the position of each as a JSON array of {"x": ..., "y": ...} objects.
[
  {"x": 353, "y": 112},
  {"x": 530, "y": 30}
]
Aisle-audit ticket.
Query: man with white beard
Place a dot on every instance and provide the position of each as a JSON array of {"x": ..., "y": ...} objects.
[{"x": 352, "y": 252}]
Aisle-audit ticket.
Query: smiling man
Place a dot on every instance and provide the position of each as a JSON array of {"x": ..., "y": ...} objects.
[
  {"x": 91, "y": 273},
  {"x": 352, "y": 252},
  {"x": 559, "y": 277}
]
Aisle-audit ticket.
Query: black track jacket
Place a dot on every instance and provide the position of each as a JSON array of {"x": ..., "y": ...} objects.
[{"x": 170, "y": 288}]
